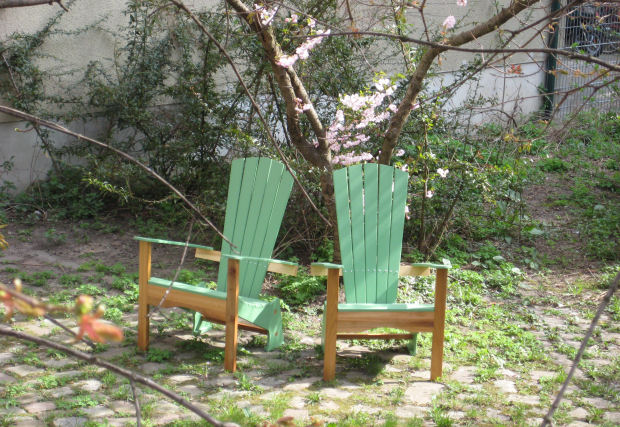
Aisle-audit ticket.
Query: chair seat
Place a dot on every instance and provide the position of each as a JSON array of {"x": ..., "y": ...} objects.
[
  {"x": 199, "y": 290},
  {"x": 386, "y": 307}
]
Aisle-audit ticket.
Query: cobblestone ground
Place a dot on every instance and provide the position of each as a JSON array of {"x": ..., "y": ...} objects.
[{"x": 374, "y": 387}]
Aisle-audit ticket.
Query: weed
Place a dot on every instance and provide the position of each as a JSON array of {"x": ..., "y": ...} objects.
[
  {"x": 80, "y": 401},
  {"x": 244, "y": 383},
  {"x": 70, "y": 280},
  {"x": 301, "y": 289},
  {"x": 553, "y": 165},
  {"x": 55, "y": 238},
  {"x": 158, "y": 355}
]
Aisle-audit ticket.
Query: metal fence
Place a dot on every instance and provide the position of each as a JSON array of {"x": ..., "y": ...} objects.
[{"x": 593, "y": 29}]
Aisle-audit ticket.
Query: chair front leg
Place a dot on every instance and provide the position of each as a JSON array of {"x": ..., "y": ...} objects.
[
  {"x": 441, "y": 290},
  {"x": 144, "y": 274},
  {"x": 232, "y": 315},
  {"x": 331, "y": 325}
]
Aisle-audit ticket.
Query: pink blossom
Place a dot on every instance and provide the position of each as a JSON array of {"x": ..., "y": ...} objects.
[
  {"x": 461, "y": 2},
  {"x": 449, "y": 22},
  {"x": 415, "y": 106},
  {"x": 400, "y": 152},
  {"x": 286, "y": 61},
  {"x": 429, "y": 194},
  {"x": 404, "y": 168},
  {"x": 392, "y": 108},
  {"x": 294, "y": 18},
  {"x": 311, "y": 23},
  {"x": 442, "y": 172},
  {"x": 264, "y": 13},
  {"x": 407, "y": 212}
]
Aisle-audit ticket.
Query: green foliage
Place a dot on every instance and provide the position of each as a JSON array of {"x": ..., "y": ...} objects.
[
  {"x": 300, "y": 289},
  {"x": 553, "y": 165},
  {"x": 158, "y": 355}
]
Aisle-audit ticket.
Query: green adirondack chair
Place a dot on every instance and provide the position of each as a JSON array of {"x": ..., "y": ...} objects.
[
  {"x": 258, "y": 192},
  {"x": 370, "y": 206}
]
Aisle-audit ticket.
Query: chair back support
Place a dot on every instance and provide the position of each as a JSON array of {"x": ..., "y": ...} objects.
[
  {"x": 258, "y": 192},
  {"x": 370, "y": 206}
]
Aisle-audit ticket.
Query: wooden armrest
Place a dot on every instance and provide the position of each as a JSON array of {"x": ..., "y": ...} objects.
[
  {"x": 321, "y": 268},
  {"x": 171, "y": 242},
  {"x": 420, "y": 269}
]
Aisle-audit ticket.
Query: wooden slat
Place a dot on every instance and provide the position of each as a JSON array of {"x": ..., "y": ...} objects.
[
  {"x": 234, "y": 188},
  {"x": 343, "y": 212},
  {"x": 385, "y": 230},
  {"x": 319, "y": 270},
  {"x": 399, "y": 199},
  {"x": 441, "y": 291},
  {"x": 274, "y": 267},
  {"x": 375, "y": 336},
  {"x": 261, "y": 207},
  {"x": 356, "y": 198},
  {"x": 232, "y": 316},
  {"x": 371, "y": 211},
  {"x": 412, "y": 270},
  {"x": 360, "y": 321},
  {"x": 144, "y": 274}
]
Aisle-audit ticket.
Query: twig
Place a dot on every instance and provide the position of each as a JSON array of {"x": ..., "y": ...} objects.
[
  {"x": 556, "y": 403},
  {"x": 131, "y": 376},
  {"x": 136, "y": 403},
  {"x": 176, "y": 274},
  {"x": 60, "y": 325}
]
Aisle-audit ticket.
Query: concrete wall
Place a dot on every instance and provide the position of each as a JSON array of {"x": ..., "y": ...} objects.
[{"x": 66, "y": 52}]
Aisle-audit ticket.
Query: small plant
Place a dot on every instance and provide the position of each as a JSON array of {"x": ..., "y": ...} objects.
[
  {"x": 297, "y": 290},
  {"x": 70, "y": 280},
  {"x": 553, "y": 164},
  {"x": 55, "y": 238},
  {"x": 158, "y": 355}
]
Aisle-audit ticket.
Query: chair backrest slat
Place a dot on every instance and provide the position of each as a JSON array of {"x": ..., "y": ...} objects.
[
  {"x": 258, "y": 192},
  {"x": 370, "y": 205}
]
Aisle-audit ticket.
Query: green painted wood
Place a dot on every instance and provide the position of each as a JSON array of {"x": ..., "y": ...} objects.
[
  {"x": 171, "y": 242},
  {"x": 386, "y": 174},
  {"x": 370, "y": 205},
  {"x": 371, "y": 208},
  {"x": 399, "y": 200},
  {"x": 258, "y": 259},
  {"x": 356, "y": 200},
  {"x": 277, "y": 191},
  {"x": 343, "y": 212}
]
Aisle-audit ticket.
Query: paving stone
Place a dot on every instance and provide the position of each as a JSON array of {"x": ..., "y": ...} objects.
[
  {"x": 181, "y": 379},
  {"x": 151, "y": 367},
  {"x": 508, "y": 373},
  {"x": 297, "y": 402},
  {"x": 529, "y": 400},
  {"x": 335, "y": 393},
  {"x": 329, "y": 405},
  {"x": 410, "y": 411},
  {"x": 537, "y": 375},
  {"x": 38, "y": 407},
  {"x": 6, "y": 358},
  {"x": 221, "y": 381},
  {"x": 365, "y": 409},
  {"x": 69, "y": 422},
  {"x": 270, "y": 382},
  {"x": 28, "y": 422},
  {"x": 113, "y": 352},
  {"x": 494, "y": 414},
  {"x": 165, "y": 419},
  {"x": 302, "y": 384},
  {"x": 122, "y": 406},
  {"x": 60, "y": 392},
  {"x": 422, "y": 393},
  {"x": 120, "y": 422},
  {"x": 11, "y": 410},
  {"x": 579, "y": 413},
  {"x": 456, "y": 415},
  {"x": 26, "y": 398},
  {"x": 296, "y": 414},
  {"x": 24, "y": 370},
  {"x": 191, "y": 389},
  {"x": 258, "y": 410},
  {"x": 6, "y": 378},
  {"x": 89, "y": 385},
  {"x": 98, "y": 412},
  {"x": 58, "y": 363},
  {"x": 613, "y": 417},
  {"x": 597, "y": 402},
  {"x": 67, "y": 374},
  {"x": 464, "y": 374},
  {"x": 505, "y": 386},
  {"x": 579, "y": 424}
]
